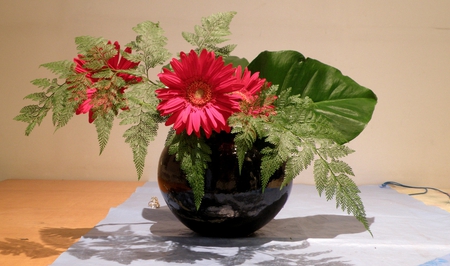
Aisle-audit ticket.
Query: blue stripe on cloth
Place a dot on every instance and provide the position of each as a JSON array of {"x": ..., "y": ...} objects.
[{"x": 442, "y": 261}]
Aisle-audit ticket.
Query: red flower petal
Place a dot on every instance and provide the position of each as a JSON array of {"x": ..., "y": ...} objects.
[{"x": 197, "y": 96}]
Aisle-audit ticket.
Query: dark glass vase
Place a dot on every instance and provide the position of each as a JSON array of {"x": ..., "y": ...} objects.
[{"x": 234, "y": 204}]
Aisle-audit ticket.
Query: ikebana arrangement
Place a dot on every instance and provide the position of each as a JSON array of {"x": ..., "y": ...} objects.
[{"x": 296, "y": 111}]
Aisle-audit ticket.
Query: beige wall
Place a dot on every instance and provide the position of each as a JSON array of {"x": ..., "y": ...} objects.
[{"x": 399, "y": 49}]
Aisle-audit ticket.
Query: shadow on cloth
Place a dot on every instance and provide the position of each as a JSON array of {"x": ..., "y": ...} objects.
[
  {"x": 283, "y": 241},
  {"x": 168, "y": 227}
]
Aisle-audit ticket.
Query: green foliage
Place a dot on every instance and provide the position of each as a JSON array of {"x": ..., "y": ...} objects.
[
  {"x": 299, "y": 160},
  {"x": 299, "y": 116},
  {"x": 61, "y": 68},
  {"x": 236, "y": 61},
  {"x": 103, "y": 125},
  {"x": 246, "y": 134},
  {"x": 337, "y": 98},
  {"x": 143, "y": 118},
  {"x": 213, "y": 31},
  {"x": 63, "y": 106},
  {"x": 323, "y": 109},
  {"x": 332, "y": 177},
  {"x": 33, "y": 115},
  {"x": 193, "y": 154},
  {"x": 283, "y": 145},
  {"x": 149, "y": 47},
  {"x": 54, "y": 96},
  {"x": 296, "y": 137},
  {"x": 85, "y": 43},
  {"x": 95, "y": 51}
]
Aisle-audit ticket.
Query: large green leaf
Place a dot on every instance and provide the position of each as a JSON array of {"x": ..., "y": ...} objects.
[
  {"x": 236, "y": 61},
  {"x": 346, "y": 104}
]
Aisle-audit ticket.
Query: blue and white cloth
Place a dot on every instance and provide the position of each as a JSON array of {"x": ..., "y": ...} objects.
[{"x": 308, "y": 231}]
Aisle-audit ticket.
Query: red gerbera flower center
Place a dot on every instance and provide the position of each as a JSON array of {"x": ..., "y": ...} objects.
[{"x": 199, "y": 93}]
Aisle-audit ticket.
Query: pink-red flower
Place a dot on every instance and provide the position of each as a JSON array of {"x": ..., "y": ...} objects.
[
  {"x": 86, "y": 105},
  {"x": 199, "y": 93},
  {"x": 104, "y": 98},
  {"x": 119, "y": 62},
  {"x": 251, "y": 103},
  {"x": 251, "y": 84}
]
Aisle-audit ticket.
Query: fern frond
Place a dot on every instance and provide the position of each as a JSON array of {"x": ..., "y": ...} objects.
[
  {"x": 284, "y": 145},
  {"x": 63, "y": 106},
  {"x": 331, "y": 187},
  {"x": 40, "y": 97},
  {"x": 298, "y": 162},
  {"x": 85, "y": 43},
  {"x": 193, "y": 154},
  {"x": 330, "y": 149},
  {"x": 246, "y": 136},
  {"x": 33, "y": 115},
  {"x": 142, "y": 95},
  {"x": 321, "y": 175},
  {"x": 220, "y": 51},
  {"x": 54, "y": 96},
  {"x": 41, "y": 83},
  {"x": 144, "y": 120},
  {"x": 103, "y": 124},
  {"x": 348, "y": 199},
  {"x": 212, "y": 32},
  {"x": 62, "y": 68},
  {"x": 298, "y": 135},
  {"x": 337, "y": 166},
  {"x": 105, "y": 73},
  {"x": 299, "y": 116},
  {"x": 170, "y": 138},
  {"x": 195, "y": 174},
  {"x": 333, "y": 178},
  {"x": 139, "y": 137},
  {"x": 96, "y": 58},
  {"x": 149, "y": 46}
]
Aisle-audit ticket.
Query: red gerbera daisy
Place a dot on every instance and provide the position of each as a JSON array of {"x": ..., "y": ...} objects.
[
  {"x": 199, "y": 93},
  {"x": 251, "y": 103},
  {"x": 251, "y": 83},
  {"x": 118, "y": 63},
  {"x": 104, "y": 98},
  {"x": 86, "y": 105}
]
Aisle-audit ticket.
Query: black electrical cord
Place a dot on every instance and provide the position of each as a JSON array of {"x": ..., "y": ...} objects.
[{"x": 420, "y": 193}]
